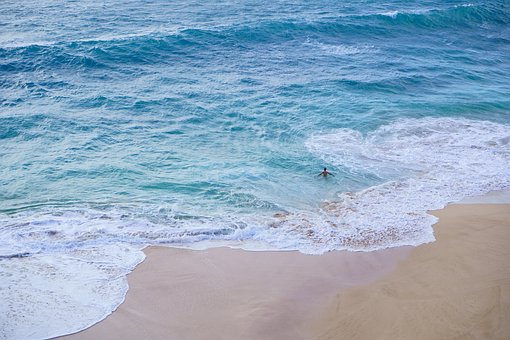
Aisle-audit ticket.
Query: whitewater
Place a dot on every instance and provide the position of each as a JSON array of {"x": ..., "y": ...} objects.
[{"x": 127, "y": 124}]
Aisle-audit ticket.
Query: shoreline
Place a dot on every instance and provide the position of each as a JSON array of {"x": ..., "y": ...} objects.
[{"x": 458, "y": 285}]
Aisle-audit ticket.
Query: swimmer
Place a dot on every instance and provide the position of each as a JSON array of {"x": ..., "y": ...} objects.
[{"x": 325, "y": 173}]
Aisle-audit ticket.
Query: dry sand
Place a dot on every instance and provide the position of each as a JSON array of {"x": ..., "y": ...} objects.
[{"x": 455, "y": 288}]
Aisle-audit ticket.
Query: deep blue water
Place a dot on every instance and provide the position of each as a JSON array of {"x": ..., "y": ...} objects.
[{"x": 129, "y": 123}]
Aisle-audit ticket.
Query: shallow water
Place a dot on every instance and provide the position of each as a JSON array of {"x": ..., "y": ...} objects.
[{"x": 196, "y": 124}]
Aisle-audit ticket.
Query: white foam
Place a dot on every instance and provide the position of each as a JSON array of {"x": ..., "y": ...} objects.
[
  {"x": 54, "y": 294},
  {"x": 427, "y": 163},
  {"x": 393, "y": 14},
  {"x": 20, "y": 40},
  {"x": 338, "y": 49}
]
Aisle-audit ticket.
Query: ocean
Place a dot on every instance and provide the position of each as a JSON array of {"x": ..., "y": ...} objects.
[{"x": 206, "y": 123}]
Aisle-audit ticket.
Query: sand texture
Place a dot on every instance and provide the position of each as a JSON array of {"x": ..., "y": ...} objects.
[{"x": 455, "y": 288}]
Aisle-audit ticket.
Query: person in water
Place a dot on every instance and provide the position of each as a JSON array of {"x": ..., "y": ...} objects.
[{"x": 325, "y": 173}]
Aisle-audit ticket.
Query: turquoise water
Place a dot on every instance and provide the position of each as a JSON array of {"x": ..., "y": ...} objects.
[{"x": 198, "y": 124}]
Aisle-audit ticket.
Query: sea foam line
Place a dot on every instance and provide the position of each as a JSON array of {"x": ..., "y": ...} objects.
[{"x": 426, "y": 163}]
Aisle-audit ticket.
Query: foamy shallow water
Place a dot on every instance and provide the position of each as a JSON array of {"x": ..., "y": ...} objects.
[
  {"x": 423, "y": 164},
  {"x": 495, "y": 197},
  {"x": 48, "y": 295}
]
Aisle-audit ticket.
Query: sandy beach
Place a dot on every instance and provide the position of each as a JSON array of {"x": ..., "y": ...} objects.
[{"x": 455, "y": 288}]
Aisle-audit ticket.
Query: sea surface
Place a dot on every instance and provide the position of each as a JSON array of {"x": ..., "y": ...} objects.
[{"x": 205, "y": 123}]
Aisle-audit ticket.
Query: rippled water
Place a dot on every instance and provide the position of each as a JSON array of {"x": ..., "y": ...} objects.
[{"x": 196, "y": 124}]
